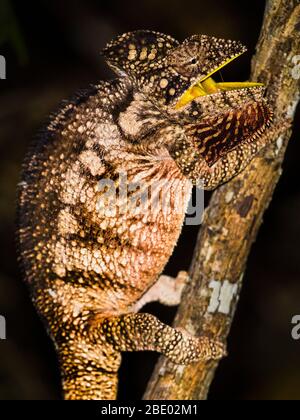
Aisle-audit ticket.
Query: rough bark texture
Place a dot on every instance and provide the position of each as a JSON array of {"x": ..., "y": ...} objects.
[{"x": 235, "y": 214}]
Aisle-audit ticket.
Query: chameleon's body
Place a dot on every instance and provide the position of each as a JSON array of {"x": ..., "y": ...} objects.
[{"x": 89, "y": 266}]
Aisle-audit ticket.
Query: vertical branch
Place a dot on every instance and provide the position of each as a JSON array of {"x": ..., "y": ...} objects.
[{"x": 235, "y": 213}]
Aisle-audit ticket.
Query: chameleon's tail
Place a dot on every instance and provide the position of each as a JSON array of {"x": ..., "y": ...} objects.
[
  {"x": 93, "y": 385},
  {"x": 89, "y": 371}
]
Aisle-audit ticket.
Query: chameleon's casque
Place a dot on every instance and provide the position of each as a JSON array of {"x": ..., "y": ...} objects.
[{"x": 89, "y": 263}]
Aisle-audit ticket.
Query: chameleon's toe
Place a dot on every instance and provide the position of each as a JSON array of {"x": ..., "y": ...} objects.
[{"x": 218, "y": 350}]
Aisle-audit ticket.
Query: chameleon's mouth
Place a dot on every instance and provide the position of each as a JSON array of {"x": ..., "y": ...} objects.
[{"x": 207, "y": 86}]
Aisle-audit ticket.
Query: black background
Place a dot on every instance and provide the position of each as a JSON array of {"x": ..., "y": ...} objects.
[{"x": 52, "y": 49}]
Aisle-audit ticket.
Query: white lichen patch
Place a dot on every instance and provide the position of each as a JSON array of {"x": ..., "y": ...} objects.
[
  {"x": 222, "y": 296},
  {"x": 214, "y": 299},
  {"x": 228, "y": 292}
]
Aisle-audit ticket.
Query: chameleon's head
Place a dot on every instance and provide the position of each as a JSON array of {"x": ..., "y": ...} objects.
[{"x": 169, "y": 73}]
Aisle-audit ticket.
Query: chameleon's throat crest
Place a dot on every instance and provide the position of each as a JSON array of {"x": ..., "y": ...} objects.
[{"x": 207, "y": 86}]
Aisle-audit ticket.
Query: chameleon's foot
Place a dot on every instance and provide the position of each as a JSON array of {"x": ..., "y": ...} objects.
[
  {"x": 167, "y": 290},
  {"x": 142, "y": 331},
  {"x": 190, "y": 349}
]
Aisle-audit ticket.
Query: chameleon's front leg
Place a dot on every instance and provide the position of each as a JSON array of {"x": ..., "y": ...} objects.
[
  {"x": 237, "y": 160},
  {"x": 143, "y": 331},
  {"x": 232, "y": 163}
]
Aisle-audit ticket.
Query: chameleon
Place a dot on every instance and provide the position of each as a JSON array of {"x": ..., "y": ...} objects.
[{"x": 93, "y": 256}]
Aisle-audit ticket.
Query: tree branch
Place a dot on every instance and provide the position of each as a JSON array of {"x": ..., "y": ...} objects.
[{"x": 235, "y": 213}]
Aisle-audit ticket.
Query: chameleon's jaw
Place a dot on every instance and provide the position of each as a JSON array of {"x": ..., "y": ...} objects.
[{"x": 207, "y": 86}]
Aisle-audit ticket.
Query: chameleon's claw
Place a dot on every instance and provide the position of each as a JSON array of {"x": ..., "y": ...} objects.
[{"x": 218, "y": 350}]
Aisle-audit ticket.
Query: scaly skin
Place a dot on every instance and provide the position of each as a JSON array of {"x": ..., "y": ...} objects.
[{"x": 89, "y": 265}]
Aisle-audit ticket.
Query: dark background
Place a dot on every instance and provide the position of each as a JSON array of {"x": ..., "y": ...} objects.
[{"x": 52, "y": 49}]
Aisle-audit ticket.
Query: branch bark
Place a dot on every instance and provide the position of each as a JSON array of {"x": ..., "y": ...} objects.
[{"x": 235, "y": 213}]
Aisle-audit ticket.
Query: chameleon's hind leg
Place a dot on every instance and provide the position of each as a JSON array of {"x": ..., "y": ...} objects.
[
  {"x": 167, "y": 290},
  {"x": 143, "y": 331}
]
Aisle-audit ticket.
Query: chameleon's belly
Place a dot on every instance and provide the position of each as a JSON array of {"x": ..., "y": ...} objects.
[
  {"x": 94, "y": 253},
  {"x": 121, "y": 257}
]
